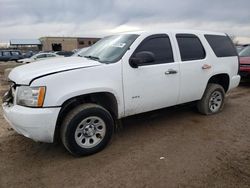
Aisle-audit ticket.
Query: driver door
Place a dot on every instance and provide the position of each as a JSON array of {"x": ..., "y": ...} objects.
[{"x": 152, "y": 85}]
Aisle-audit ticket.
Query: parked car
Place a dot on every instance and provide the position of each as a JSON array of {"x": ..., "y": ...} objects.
[
  {"x": 79, "y": 99},
  {"x": 64, "y": 53},
  {"x": 38, "y": 57},
  {"x": 28, "y": 54},
  {"x": 245, "y": 62},
  {"x": 10, "y": 55}
]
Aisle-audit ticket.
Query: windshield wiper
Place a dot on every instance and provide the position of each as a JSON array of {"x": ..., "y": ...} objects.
[{"x": 92, "y": 57}]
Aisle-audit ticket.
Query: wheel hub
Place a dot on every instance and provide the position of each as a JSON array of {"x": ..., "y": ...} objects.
[{"x": 89, "y": 130}]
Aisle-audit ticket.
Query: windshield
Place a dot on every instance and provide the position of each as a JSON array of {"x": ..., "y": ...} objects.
[
  {"x": 34, "y": 56},
  {"x": 245, "y": 52},
  {"x": 110, "y": 49}
]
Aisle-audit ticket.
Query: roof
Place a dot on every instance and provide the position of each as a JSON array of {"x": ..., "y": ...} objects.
[
  {"x": 152, "y": 31},
  {"x": 25, "y": 42}
]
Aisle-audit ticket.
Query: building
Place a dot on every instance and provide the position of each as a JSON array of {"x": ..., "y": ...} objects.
[
  {"x": 66, "y": 43},
  {"x": 26, "y": 44}
]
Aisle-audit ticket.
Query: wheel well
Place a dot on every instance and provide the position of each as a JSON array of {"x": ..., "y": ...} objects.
[
  {"x": 104, "y": 99},
  {"x": 221, "y": 79}
]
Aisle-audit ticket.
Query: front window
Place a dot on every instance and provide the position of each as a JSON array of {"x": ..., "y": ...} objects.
[
  {"x": 15, "y": 53},
  {"x": 40, "y": 56},
  {"x": 51, "y": 55},
  {"x": 245, "y": 52},
  {"x": 110, "y": 49}
]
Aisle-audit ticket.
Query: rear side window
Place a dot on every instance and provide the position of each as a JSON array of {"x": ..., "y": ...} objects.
[
  {"x": 159, "y": 45},
  {"x": 6, "y": 53},
  {"x": 190, "y": 47},
  {"x": 221, "y": 45}
]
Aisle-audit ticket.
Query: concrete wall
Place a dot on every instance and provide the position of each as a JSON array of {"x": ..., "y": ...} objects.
[
  {"x": 85, "y": 42},
  {"x": 68, "y": 44}
]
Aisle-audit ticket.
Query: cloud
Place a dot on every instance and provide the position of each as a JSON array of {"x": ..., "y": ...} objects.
[{"x": 29, "y": 18}]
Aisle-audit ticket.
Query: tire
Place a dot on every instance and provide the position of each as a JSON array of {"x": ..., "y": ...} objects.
[
  {"x": 212, "y": 101},
  {"x": 87, "y": 129}
]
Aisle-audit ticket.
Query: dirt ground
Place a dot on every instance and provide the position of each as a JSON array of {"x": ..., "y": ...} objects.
[{"x": 173, "y": 147}]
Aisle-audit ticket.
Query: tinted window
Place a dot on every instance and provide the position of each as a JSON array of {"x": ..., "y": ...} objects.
[
  {"x": 51, "y": 55},
  {"x": 160, "y": 46},
  {"x": 221, "y": 45},
  {"x": 15, "y": 53},
  {"x": 190, "y": 47},
  {"x": 41, "y": 56},
  {"x": 6, "y": 53}
]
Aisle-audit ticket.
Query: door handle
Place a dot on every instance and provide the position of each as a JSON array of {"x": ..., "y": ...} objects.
[
  {"x": 171, "y": 71},
  {"x": 206, "y": 66}
]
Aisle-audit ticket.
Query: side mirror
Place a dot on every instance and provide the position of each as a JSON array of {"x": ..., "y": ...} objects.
[{"x": 141, "y": 58}]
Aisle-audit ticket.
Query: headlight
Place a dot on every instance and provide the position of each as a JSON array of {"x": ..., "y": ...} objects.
[{"x": 30, "y": 96}]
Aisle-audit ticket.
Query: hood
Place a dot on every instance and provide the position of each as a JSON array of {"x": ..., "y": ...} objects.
[
  {"x": 25, "y": 73},
  {"x": 244, "y": 60}
]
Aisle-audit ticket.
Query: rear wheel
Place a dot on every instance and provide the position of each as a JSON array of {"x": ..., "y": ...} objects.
[
  {"x": 87, "y": 129},
  {"x": 212, "y": 101}
]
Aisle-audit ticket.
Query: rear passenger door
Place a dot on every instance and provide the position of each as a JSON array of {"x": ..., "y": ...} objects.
[
  {"x": 6, "y": 55},
  {"x": 194, "y": 67}
]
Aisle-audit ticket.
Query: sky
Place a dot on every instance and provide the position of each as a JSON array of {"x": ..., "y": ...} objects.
[{"x": 97, "y": 18}]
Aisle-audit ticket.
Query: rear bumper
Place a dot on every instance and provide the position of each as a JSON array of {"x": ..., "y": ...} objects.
[
  {"x": 235, "y": 81},
  {"x": 35, "y": 123}
]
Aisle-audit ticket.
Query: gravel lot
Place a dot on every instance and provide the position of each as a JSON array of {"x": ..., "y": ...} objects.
[{"x": 173, "y": 147}]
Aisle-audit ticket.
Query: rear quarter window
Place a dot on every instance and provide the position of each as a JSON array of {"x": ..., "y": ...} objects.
[{"x": 221, "y": 45}]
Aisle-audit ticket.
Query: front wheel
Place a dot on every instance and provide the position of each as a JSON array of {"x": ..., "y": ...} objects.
[
  {"x": 212, "y": 101},
  {"x": 87, "y": 129}
]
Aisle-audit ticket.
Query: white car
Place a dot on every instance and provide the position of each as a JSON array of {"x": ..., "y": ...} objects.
[
  {"x": 79, "y": 99},
  {"x": 38, "y": 57}
]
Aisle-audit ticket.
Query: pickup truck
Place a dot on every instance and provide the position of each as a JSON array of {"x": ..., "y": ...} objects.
[{"x": 78, "y": 99}]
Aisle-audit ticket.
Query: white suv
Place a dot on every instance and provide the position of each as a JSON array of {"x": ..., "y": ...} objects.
[{"x": 78, "y": 99}]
